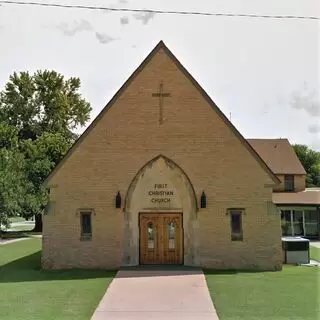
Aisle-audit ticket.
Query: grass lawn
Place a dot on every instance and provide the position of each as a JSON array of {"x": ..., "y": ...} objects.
[
  {"x": 26, "y": 227},
  {"x": 18, "y": 234},
  {"x": 315, "y": 253},
  {"x": 17, "y": 219},
  {"x": 290, "y": 294},
  {"x": 29, "y": 293}
]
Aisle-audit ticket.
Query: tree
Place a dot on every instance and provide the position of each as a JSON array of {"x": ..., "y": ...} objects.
[
  {"x": 9, "y": 166},
  {"x": 310, "y": 160},
  {"x": 11, "y": 184},
  {"x": 41, "y": 156},
  {"x": 44, "y": 109}
]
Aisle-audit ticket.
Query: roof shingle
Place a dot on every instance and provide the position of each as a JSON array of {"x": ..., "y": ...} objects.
[
  {"x": 279, "y": 155},
  {"x": 309, "y": 196}
]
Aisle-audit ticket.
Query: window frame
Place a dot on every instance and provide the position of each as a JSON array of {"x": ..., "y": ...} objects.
[
  {"x": 289, "y": 183},
  {"x": 85, "y": 235},
  {"x": 235, "y": 235}
]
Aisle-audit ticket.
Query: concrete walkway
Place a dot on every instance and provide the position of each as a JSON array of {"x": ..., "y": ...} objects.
[
  {"x": 150, "y": 294},
  {"x": 6, "y": 241}
]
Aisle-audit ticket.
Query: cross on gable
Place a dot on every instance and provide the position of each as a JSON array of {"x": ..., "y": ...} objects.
[{"x": 161, "y": 94}]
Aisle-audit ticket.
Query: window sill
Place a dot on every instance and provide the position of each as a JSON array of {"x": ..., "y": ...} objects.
[
  {"x": 86, "y": 238},
  {"x": 237, "y": 237}
]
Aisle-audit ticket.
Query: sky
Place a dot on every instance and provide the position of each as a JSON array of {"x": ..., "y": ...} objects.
[{"x": 264, "y": 74}]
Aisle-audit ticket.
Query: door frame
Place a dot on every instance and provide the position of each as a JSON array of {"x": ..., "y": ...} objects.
[{"x": 182, "y": 233}]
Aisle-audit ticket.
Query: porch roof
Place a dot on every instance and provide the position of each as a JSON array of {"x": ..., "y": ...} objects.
[{"x": 310, "y": 196}]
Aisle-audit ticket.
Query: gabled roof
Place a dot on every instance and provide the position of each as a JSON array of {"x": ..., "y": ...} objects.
[
  {"x": 162, "y": 46},
  {"x": 279, "y": 155}
]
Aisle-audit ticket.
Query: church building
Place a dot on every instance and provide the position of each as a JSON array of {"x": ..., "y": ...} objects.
[{"x": 161, "y": 176}]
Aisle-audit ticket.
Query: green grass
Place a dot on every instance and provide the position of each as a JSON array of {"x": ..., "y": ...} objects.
[
  {"x": 29, "y": 293},
  {"x": 290, "y": 294},
  {"x": 17, "y": 219},
  {"x": 315, "y": 253},
  {"x": 18, "y": 234},
  {"x": 27, "y": 227}
]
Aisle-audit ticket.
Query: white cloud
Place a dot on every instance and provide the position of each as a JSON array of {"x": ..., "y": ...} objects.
[
  {"x": 124, "y": 20},
  {"x": 70, "y": 29},
  {"x": 306, "y": 101},
  {"x": 316, "y": 144},
  {"x": 104, "y": 38},
  {"x": 144, "y": 17},
  {"x": 314, "y": 128}
]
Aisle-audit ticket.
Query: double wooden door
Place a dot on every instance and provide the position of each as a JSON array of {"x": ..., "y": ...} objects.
[{"x": 161, "y": 237}]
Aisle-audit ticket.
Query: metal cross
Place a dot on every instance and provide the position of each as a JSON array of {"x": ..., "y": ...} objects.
[{"x": 161, "y": 95}]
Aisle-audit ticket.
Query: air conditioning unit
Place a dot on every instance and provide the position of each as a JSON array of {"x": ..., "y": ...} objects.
[{"x": 295, "y": 250}]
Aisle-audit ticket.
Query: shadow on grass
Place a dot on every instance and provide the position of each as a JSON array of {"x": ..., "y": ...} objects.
[
  {"x": 175, "y": 270},
  {"x": 28, "y": 268},
  {"x": 232, "y": 271},
  {"x": 142, "y": 271},
  {"x": 13, "y": 235},
  {"x": 18, "y": 234}
]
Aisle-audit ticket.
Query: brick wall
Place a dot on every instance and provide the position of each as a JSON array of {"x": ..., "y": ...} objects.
[
  {"x": 193, "y": 136},
  {"x": 299, "y": 183}
]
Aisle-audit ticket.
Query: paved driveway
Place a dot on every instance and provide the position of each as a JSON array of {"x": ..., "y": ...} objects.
[{"x": 157, "y": 295}]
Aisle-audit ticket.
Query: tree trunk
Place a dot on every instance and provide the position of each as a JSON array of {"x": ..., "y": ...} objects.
[{"x": 38, "y": 223}]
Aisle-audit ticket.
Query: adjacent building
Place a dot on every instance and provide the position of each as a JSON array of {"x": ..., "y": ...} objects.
[{"x": 299, "y": 206}]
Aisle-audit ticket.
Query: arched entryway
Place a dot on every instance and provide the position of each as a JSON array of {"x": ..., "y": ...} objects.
[{"x": 161, "y": 202}]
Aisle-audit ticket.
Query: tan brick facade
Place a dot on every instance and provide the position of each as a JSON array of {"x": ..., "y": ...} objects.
[
  {"x": 299, "y": 183},
  {"x": 195, "y": 137}
]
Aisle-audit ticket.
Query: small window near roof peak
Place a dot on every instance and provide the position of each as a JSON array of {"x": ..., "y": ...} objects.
[{"x": 289, "y": 182}]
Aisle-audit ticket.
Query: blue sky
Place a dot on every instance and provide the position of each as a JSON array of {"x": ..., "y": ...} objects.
[{"x": 265, "y": 72}]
